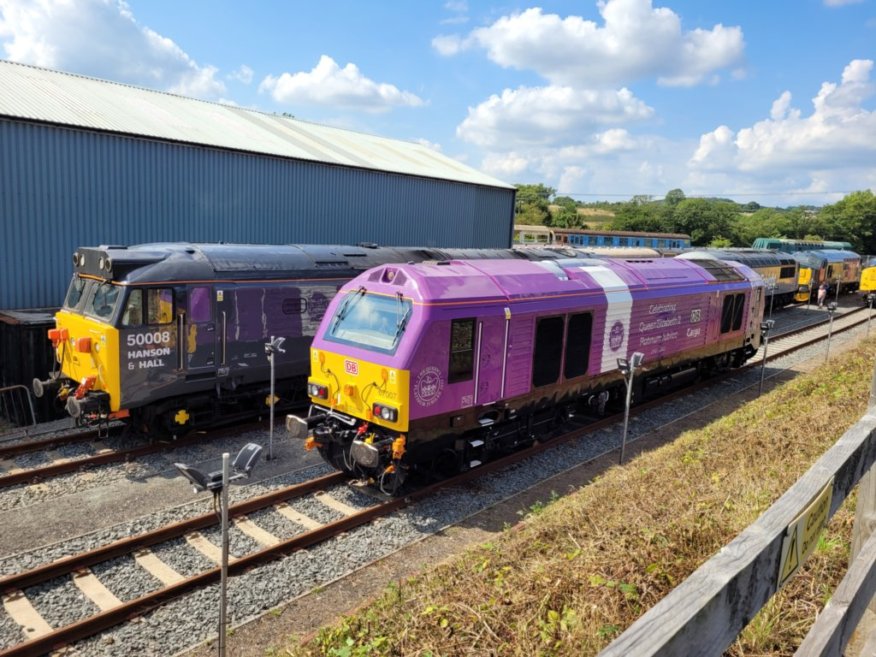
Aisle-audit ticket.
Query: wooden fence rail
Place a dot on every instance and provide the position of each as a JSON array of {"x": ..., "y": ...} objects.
[{"x": 705, "y": 613}]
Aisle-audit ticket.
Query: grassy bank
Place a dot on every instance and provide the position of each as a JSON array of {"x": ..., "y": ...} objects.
[{"x": 577, "y": 572}]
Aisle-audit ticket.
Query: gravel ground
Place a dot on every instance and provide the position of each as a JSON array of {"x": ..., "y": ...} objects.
[
  {"x": 182, "y": 557},
  {"x": 10, "y": 631},
  {"x": 125, "y": 578},
  {"x": 277, "y": 524},
  {"x": 60, "y": 602},
  {"x": 192, "y": 619}
]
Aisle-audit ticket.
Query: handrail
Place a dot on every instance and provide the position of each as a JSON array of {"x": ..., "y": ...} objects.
[{"x": 28, "y": 395}]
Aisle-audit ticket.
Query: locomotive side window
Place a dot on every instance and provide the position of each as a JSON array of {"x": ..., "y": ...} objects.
[
  {"x": 103, "y": 303},
  {"x": 199, "y": 304},
  {"x": 731, "y": 313},
  {"x": 548, "y": 351},
  {"x": 133, "y": 315},
  {"x": 578, "y": 345},
  {"x": 159, "y": 305},
  {"x": 727, "y": 314},
  {"x": 738, "y": 304},
  {"x": 461, "y": 350}
]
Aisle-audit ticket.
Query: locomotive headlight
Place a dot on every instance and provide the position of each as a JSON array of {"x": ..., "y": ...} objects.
[
  {"x": 386, "y": 413},
  {"x": 317, "y": 390},
  {"x": 100, "y": 263}
]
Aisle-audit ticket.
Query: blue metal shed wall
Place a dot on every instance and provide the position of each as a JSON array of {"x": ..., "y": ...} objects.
[{"x": 62, "y": 188}]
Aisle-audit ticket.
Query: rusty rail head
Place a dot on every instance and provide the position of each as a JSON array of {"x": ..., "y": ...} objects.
[{"x": 26, "y": 447}]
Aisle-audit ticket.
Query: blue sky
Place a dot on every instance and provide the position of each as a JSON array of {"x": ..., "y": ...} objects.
[{"x": 758, "y": 101}]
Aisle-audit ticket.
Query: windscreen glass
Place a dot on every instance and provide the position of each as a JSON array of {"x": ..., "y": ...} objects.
[
  {"x": 371, "y": 322},
  {"x": 104, "y": 301},
  {"x": 76, "y": 293}
]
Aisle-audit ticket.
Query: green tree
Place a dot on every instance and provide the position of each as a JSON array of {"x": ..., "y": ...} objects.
[
  {"x": 704, "y": 220},
  {"x": 853, "y": 219},
  {"x": 637, "y": 216},
  {"x": 531, "y": 204},
  {"x": 674, "y": 197},
  {"x": 565, "y": 201}
]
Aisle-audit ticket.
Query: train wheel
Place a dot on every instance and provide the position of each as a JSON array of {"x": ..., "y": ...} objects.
[{"x": 447, "y": 464}]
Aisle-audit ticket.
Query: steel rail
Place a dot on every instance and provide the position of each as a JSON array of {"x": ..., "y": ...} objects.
[
  {"x": 25, "y": 447},
  {"x": 73, "y": 464}
]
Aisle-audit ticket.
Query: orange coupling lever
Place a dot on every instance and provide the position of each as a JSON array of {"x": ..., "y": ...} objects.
[
  {"x": 310, "y": 443},
  {"x": 398, "y": 448},
  {"x": 84, "y": 386}
]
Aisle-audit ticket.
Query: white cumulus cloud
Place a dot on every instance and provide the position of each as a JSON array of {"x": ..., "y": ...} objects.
[
  {"x": 329, "y": 84},
  {"x": 101, "y": 38},
  {"x": 636, "y": 41},
  {"x": 832, "y": 148},
  {"x": 837, "y": 134},
  {"x": 548, "y": 115},
  {"x": 243, "y": 74}
]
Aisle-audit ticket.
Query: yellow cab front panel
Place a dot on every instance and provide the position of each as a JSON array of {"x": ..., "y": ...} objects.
[
  {"x": 354, "y": 386},
  {"x": 89, "y": 351},
  {"x": 804, "y": 285},
  {"x": 868, "y": 280}
]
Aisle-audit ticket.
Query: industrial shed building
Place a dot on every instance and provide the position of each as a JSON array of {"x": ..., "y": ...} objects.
[{"x": 88, "y": 162}]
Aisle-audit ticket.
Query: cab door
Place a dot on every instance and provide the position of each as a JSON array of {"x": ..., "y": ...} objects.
[{"x": 198, "y": 327}]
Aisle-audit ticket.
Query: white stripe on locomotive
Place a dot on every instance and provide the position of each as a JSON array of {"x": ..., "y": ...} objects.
[{"x": 619, "y": 309}]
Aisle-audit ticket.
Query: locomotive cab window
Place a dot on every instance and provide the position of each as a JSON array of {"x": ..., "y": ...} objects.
[
  {"x": 159, "y": 305},
  {"x": 370, "y": 321},
  {"x": 104, "y": 301},
  {"x": 548, "y": 351},
  {"x": 133, "y": 315},
  {"x": 578, "y": 345},
  {"x": 461, "y": 350},
  {"x": 76, "y": 292}
]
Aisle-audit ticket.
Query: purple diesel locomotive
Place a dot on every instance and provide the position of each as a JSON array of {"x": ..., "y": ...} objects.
[{"x": 441, "y": 366}]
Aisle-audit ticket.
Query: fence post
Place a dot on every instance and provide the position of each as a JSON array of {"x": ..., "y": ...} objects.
[{"x": 865, "y": 523}]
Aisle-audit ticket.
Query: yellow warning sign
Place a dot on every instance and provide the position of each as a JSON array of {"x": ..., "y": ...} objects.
[{"x": 802, "y": 534}]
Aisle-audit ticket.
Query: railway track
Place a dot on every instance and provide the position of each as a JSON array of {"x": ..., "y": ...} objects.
[
  {"x": 42, "y": 637},
  {"x": 803, "y": 333},
  {"x": 12, "y": 473}
]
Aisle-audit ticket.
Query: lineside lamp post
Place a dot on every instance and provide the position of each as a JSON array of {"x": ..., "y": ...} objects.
[
  {"x": 772, "y": 289},
  {"x": 628, "y": 369},
  {"x": 272, "y": 347},
  {"x": 218, "y": 483},
  {"x": 831, "y": 310},
  {"x": 870, "y": 299},
  {"x": 765, "y": 329}
]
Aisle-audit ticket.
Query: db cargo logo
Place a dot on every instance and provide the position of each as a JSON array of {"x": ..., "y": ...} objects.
[{"x": 351, "y": 367}]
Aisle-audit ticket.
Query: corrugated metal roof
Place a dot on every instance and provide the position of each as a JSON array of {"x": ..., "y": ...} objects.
[{"x": 38, "y": 94}]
